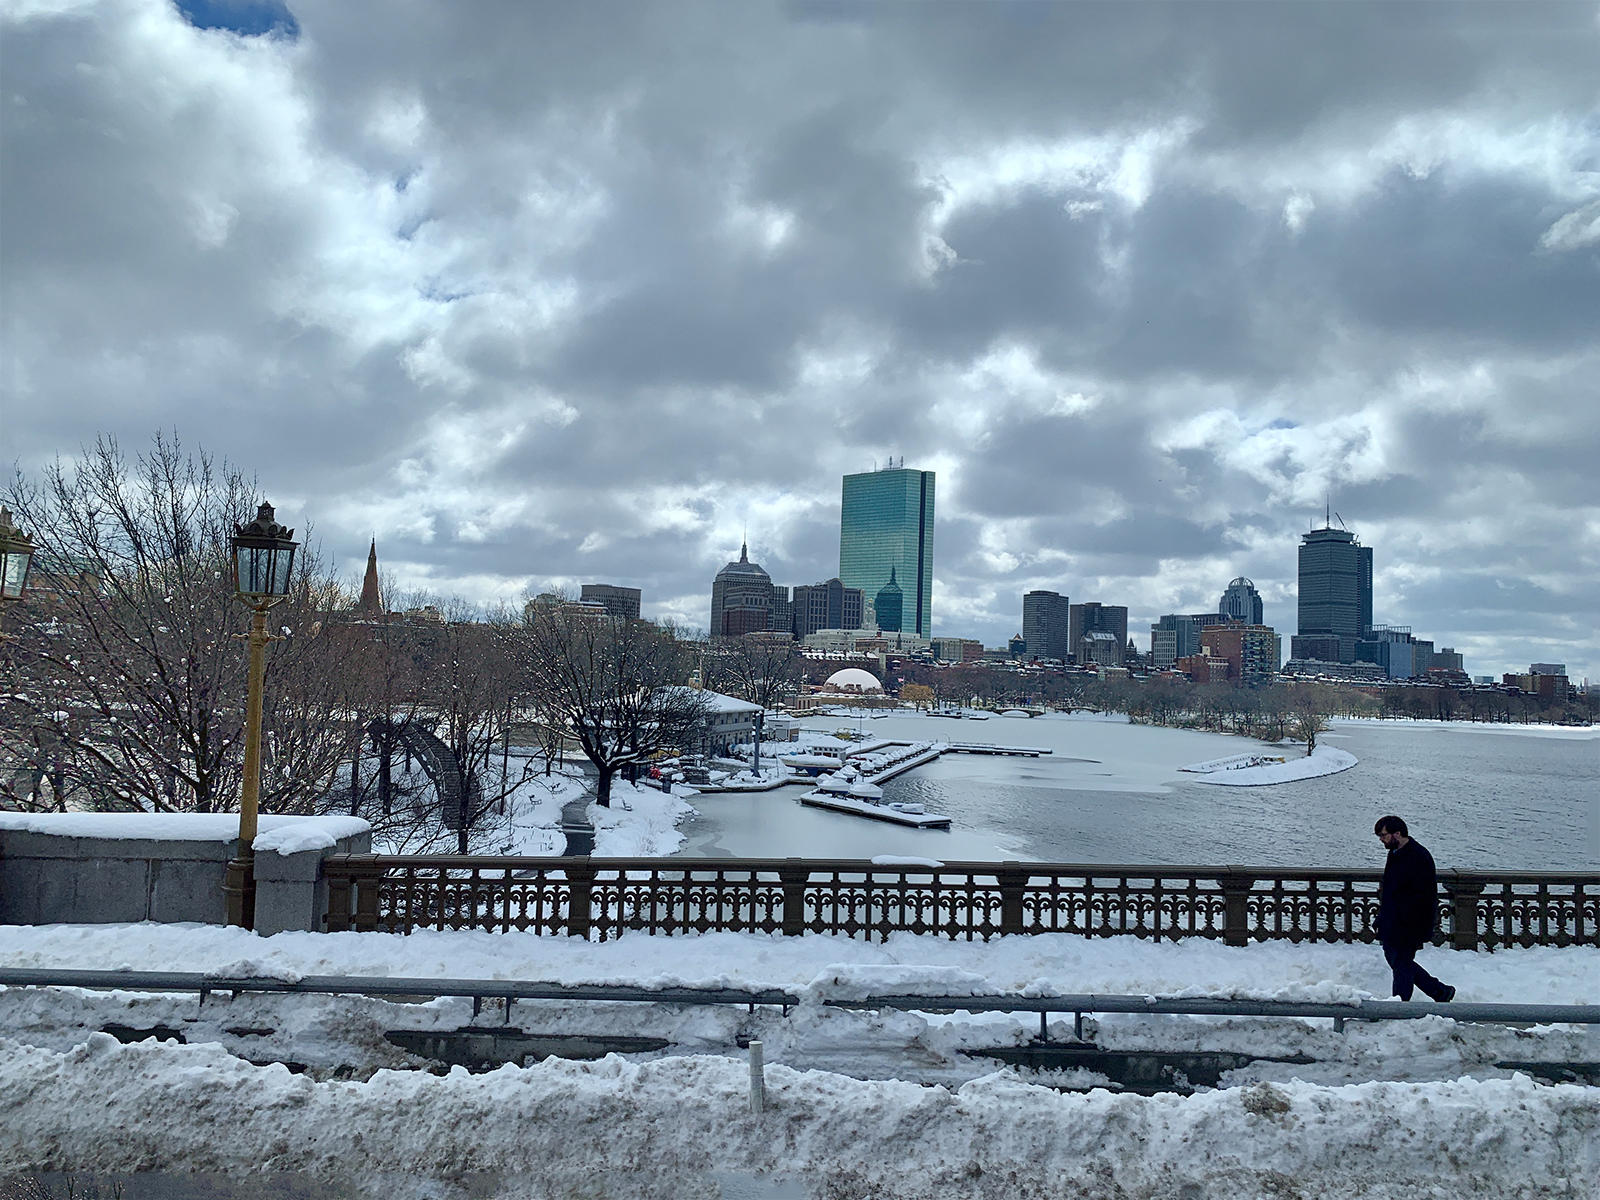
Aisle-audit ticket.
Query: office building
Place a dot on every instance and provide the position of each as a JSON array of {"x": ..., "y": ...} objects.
[
  {"x": 782, "y": 610},
  {"x": 1394, "y": 649},
  {"x": 1094, "y": 617},
  {"x": 1446, "y": 658},
  {"x": 1335, "y": 595},
  {"x": 619, "y": 602},
  {"x": 886, "y": 526},
  {"x": 1241, "y": 602},
  {"x": 1177, "y": 635},
  {"x": 829, "y": 605},
  {"x": 1252, "y": 652},
  {"x": 889, "y": 605},
  {"x": 1046, "y": 625},
  {"x": 1204, "y": 668},
  {"x": 741, "y": 598},
  {"x": 955, "y": 649},
  {"x": 1101, "y": 648},
  {"x": 1332, "y": 672}
]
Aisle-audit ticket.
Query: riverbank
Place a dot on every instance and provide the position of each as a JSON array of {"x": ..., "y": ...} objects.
[{"x": 1527, "y": 729}]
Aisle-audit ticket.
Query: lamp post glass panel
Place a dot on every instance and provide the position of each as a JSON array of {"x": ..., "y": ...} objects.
[
  {"x": 263, "y": 565},
  {"x": 16, "y": 552}
]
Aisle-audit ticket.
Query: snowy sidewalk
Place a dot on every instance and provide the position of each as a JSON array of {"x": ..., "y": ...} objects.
[{"x": 1040, "y": 964}]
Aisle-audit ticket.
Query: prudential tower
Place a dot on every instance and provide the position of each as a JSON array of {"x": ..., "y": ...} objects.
[{"x": 886, "y": 526}]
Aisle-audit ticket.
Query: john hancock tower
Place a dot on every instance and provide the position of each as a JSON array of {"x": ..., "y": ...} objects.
[{"x": 886, "y": 523}]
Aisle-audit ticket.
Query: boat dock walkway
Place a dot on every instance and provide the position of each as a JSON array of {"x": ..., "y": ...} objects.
[
  {"x": 877, "y": 812},
  {"x": 987, "y": 748},
  {"x": 942, "y": 747}
]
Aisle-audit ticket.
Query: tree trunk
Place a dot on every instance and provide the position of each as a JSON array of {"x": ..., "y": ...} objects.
[
  {"x": 386, "y": 770},
  {"x": 602, "y": 795}
]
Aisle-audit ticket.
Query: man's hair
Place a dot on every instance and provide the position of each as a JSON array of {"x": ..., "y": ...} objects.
[{"x": 1391, "y": 825}]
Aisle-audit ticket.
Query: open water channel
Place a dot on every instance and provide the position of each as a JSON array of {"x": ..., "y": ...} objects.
[{"x": 1109, "y": 792}]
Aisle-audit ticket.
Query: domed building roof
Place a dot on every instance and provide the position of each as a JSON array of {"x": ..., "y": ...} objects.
[
  {"x": 1241, "y": 581},
  {"x": 856, "y": 678},
  {"x": 744, "y": 566}
]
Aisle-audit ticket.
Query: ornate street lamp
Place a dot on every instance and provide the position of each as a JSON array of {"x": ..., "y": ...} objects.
[
  {"x": 16, "y": 553},
  {"x": 263, "y": 563}
]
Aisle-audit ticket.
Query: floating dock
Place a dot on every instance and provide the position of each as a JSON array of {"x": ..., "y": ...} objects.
[
  {"x": 986, "y": 748},
  {"x": 877, "y": 812}
]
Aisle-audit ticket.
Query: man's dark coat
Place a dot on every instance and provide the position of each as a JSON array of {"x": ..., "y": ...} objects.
[{"x": 1408, "y": 900}]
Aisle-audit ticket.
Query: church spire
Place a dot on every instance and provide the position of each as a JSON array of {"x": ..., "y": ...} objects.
[{"x": 371, "y": 601}]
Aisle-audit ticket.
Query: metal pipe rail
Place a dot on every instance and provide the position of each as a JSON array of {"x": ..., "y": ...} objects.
[
  {"x": 387, "y": 985},
  {"x": 1360, "y": 1010},
  {"x": 1076, "y": 1003}
]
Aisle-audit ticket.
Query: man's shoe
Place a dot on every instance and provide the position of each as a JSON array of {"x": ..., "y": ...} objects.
[{"x": 1449, "y": 994}]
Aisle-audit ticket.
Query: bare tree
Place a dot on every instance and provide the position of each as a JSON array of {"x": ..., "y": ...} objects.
[
  {"x": 616, "y": 687},
  {"x": 130, "y": 652},
  {"x": 762, "y": 669},
  {"x": 1308, "y": 709},
  {"x": 471, "y": 689}
]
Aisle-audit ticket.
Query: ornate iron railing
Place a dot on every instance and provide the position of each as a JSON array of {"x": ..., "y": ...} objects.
[{"x": 602, "y": 898}]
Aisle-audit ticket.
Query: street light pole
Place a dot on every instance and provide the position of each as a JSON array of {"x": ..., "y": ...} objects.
[
  {"x": 240, "y": 884},
  {"x": 263, "y": 564},
  {"x": 16, "y": 552}
]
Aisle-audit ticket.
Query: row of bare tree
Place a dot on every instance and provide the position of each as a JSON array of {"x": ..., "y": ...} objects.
[{"x": 122, "y": 674}]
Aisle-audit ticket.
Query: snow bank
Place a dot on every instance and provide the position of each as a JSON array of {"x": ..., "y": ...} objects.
[
  {"x": 1324, "y": 760},
  {"x": 286, "y": 835},
  {"x": 641, "y": 822},
  {"x": 668, "y": 1127}
]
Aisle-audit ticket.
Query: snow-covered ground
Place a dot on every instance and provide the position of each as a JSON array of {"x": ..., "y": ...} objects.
[
  {"x": 1324, "y": 760},
  {"x": 859, "y": 1104}
]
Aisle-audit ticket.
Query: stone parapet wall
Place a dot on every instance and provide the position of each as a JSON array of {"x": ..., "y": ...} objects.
[{"x": 75, "y": 868}]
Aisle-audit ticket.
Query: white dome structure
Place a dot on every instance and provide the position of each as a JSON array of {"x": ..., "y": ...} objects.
[{"x": 854, "y": 679}]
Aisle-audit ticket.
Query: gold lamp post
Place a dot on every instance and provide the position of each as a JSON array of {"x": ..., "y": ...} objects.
[
  {"x": 16, "y": 553},
  {"x": 263, "y": 563}
]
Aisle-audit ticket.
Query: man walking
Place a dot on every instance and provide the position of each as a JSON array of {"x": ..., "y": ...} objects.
[{"x": 1408, "y": 909}]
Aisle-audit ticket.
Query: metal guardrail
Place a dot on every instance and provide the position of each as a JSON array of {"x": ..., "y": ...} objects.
[
  {"x": 1076, "y": 1003},
  {"x": 386, "y": 985},
  {"x": 602, "y": 898}
]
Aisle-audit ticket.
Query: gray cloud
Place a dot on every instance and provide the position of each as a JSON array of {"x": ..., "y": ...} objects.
[{"x": 579, "y": 292}]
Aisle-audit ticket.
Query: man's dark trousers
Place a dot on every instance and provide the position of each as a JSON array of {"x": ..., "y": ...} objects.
[{"x": 1402, "y": 961}]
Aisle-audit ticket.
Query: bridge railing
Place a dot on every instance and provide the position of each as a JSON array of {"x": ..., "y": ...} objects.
[{"x": 601, "y": 898}]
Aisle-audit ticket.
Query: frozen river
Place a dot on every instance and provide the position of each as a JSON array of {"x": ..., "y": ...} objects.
[{"x": 1112, "y": 793}]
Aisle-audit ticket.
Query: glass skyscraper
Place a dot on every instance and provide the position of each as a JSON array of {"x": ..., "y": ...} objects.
[{"x": 886, "y": 524}]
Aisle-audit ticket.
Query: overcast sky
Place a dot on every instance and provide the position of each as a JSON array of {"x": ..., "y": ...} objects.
[{"x": 546, "y": 294}]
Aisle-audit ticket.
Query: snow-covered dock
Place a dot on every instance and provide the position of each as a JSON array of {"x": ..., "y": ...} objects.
[
  {"x": 877, "y": 810},
  {"x": 989, "y": 748}
]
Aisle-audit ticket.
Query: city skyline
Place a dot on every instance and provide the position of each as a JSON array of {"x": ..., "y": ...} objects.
[{"x": 558, "y": 295}]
